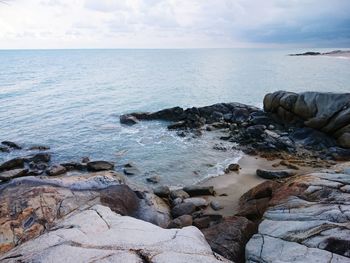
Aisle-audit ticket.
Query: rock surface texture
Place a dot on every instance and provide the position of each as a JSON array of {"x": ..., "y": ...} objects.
[
  {"x": 327, "y": 112},
  {"x": 97, "y": 234},
  {"x": 308, "y": 220}
]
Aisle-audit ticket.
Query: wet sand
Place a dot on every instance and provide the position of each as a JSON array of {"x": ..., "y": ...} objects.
[{"x": 233, "y": 185}]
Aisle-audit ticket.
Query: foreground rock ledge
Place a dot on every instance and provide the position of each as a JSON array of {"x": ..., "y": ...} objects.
[{"x": 99, "y": 235}]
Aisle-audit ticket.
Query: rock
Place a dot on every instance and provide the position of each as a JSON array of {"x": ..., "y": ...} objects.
[
  {"x": 179, "y": 194},
  {"x": 130, "y": 169},
  {"x": 4, "y": 149},
  {"x": 56, "y": 169},
  {"x": 8, "y": 175},
  {"x": 74, "y": 166},
  {"x": 98, "y": 234},
  {"x": 274, "y": 174},
  {"x": 128, "y": 119},
  {"x": 181, "y": 221},
  {"x": 216, "y": 205},
  {"x": 326, "y": 112},
  {"x": 230, "y": 237},
  {"x": 11, "y": 145},
  {"x": 199, "y": 190},
  {"x": 99, "y": 166},
  {"x": 202, "y": 222},
  {"x": 40, "y": 157},
  {"x": 153, "y": 179},
  {"x": 197, "y": 201},
  {"x": 176, "y": 201},
  {"x": 38, "y": 166},
  {"x": 289, "y": 165},
  {"x": 162, "y": 191},
  {"x": 39, "y": 148},
  {"x": 85, "y": 159},
  {"x": 232, "y": 167},
  {"x": 178, "y": 125},
  {"x": 12, "y": 164},
  {"x": 183, "y": 209}
]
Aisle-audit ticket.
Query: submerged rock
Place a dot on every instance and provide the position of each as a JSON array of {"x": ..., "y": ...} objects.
[
  {"x": 128, "y": 119},
  {"x": 39, "y": 157},
  {"x": 39, "y": 148},
  {"x": 11, "y": 145},
  {"x": 96, "y": 166},
  {"x": 12, "y": 164}
]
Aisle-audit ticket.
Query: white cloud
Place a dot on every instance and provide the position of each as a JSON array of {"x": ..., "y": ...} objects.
[{"x": 167, "y": 23}]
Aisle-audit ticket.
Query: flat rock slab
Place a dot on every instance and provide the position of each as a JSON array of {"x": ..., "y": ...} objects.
[
  {"x": 8, "y": 175},
  {"x": 274, "y": 174},
  {"x": 308, "y": 220},
  {"x": 98, "y": 234}
]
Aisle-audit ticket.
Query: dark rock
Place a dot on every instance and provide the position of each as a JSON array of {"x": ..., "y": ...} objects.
[
  {"x": 11, "y": 145},
  {"x": 39, "y": 148},
  {"x": 183, "y": 209},
  {"x": 56, "y": 170},
  {"x": 197, "y": 201},
  {"x": 38, "y": 166},
  {"x": 40, "y": 157},
  {"x": 199, "y": 190},
  {"x": 232, "y": 167},
  {"x": 178, "y": 125},
  {"x": 99, "y": 166},
  {"x": 85, "y": 159},
  {"x": 275, "y": 174},
  {"x": 230, "y": 237},
  {"x": 171, "y": 114},
  {"x": 179, "y": 194},
  {"x": 181, "y": 221},
  {"x": 256, "y": 131},
  {"x": 240, "y": 115},
  {"x": 8, "y": 175},
  {"x": 128, "y": 119},
  {"x": 153, "y": 179},
  {"x": 74, "y": 166},
  {"x": 130, "y": 169},
  {"x": 162, "y": 191},
  {"x": 176, "y": 201},
  {"x": 4, "y": 149},
  {"x": 12, "y": 164},
  {"x": 202, "y": 222},
  {"x": 309, "y": 53}
]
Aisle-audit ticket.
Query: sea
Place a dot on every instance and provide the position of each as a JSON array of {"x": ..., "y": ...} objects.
[{"x": 71, "y": 100}]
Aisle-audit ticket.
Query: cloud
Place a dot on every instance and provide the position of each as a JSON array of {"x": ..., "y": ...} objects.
[{"x": 173, "y": 23}]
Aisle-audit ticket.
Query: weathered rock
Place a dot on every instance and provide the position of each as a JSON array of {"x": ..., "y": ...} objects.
[
  {"x": 128, "y": 119},
  {"x": 8, "y": 175},
  {"x": 183, "y": 209},
  {"x": 12, "y": 164},
  {"x": 327, "y": 112},
  {"x": 162, "y": 191},
  {"x": 196, "y": 190},
  {"x": 85, "y": 159},
  {"x": 274, "y": 174},
  {"x": 179, "y": 194},
  {"x": 229, "y": 237},
  {"x": 197, "y": 201},
  {"x": 130, "y": 169},
  {"x": 11, "y": 145},
  {"x": 216, "y": 205},
  {"x": 202, "y": 222},
  {"x": 98, "y": 234},
  {"x": 232, "y": 167},
  {"x": 56, "y": 170},
  {"x": 181, "y": 221},
  {"x": 153, "y": 179},
  {"x": 71, "y": 166},
  {"x": 39, "y": 157},
  {"x": 306, "y": 221},
  {"x": 99, "y": 166}
]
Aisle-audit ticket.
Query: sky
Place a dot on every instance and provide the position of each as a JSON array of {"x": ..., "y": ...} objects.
[{"x": 173, "y": 23}]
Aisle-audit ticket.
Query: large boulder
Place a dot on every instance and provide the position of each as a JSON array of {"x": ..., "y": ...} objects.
[
  {"x": 97, "y": 234},
  {"x": 307, "y": 220},
  {"x": 327, "y": 112}
]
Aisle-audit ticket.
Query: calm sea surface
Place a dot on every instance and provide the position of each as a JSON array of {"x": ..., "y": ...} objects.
[{"x": 71, "y": 100}]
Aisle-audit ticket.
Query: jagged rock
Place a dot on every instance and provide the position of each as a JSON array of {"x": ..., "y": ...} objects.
[
  {"x": 128, "y": 119},
  {"x": 39, "y": 157},
  {"x": 327, "y": 112},
  {"x": 11, "y": 145},
  {"x": 229, "y": 237},
  {"x": 56, "y": 170},
  {"x": 12, "y": 164},
  {"x": 183, "y": 209},
  {"x": 8, "y": 175},
  {"x": 196, "y": 190},
  {"x": 99, "y": 166},
  {"x": 181, "y": 221},
  {"x": 98, "y": 234}
]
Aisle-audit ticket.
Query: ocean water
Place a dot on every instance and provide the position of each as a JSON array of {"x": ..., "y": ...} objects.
[{"x": 71, "y": 100}]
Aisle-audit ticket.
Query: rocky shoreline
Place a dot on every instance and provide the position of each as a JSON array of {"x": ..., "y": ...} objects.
[{"x": 301, "y": 210}]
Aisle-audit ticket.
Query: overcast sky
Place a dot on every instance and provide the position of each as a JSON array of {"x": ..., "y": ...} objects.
[{"x": 174, "y": 23}]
